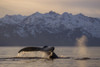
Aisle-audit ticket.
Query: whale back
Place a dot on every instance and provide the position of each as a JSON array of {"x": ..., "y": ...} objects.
[
  {"x": 44, "y": 52},
  {"x": 51, "y": 49},
  {"x": 45, "y": 48},
  {"x": 30, "y": 49}
]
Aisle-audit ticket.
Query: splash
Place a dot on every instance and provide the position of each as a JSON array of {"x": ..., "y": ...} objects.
[{"x": 81, "y": 49}]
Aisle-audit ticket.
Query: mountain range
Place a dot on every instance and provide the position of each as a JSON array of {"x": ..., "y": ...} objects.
[{"x": 48, "y": 29}]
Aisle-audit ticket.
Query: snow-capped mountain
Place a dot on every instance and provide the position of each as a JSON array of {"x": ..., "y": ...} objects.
[{"x": 48, "y": 28}]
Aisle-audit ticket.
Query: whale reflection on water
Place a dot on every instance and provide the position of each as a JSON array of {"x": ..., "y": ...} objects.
[{"x": 42, "y": 52}]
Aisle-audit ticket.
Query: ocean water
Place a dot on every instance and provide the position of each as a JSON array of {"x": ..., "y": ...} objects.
[{"x": 73, "y": 58}]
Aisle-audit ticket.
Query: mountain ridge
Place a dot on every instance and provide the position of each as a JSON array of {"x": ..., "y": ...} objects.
[{"x": 49, "y": 28}]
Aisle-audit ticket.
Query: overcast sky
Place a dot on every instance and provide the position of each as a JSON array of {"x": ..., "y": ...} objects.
[{"x": 27, "y": 7}]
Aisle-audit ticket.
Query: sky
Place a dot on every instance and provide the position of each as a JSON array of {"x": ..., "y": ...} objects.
[{"x": 27, "y": 7}]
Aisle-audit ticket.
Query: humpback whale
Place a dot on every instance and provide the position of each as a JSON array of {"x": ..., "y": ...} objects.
[{"x": 43, "y": 52}]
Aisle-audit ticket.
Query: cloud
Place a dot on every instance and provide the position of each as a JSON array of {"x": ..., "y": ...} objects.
[
  {"x": 26, "y": 7},
  {"x": 83, "y": 4}
]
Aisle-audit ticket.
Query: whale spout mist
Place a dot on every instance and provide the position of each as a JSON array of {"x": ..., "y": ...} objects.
[{"x": 81, "y": 49}]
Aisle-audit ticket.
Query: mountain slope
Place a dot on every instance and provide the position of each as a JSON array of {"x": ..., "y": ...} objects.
[{"x": 48, "y": 29}]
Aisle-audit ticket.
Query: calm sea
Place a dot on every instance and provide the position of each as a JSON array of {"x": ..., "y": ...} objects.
[{"x": 73, "y": 52}]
